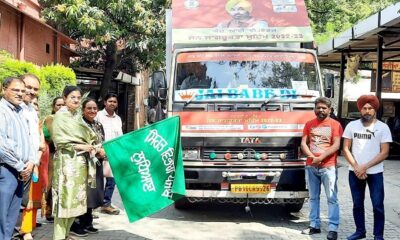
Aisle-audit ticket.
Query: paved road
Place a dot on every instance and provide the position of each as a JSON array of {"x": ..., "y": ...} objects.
[{"x": 207, "y": 221}]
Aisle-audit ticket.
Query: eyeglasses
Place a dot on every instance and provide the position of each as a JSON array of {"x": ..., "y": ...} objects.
[
  {"x": 15, "y": 90},
  {"x": 30, "y": 88}
]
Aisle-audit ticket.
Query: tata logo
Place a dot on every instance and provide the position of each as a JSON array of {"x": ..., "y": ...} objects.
[{"x": 250, "y": 140}]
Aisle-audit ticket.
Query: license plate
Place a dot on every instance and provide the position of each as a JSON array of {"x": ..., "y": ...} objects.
[{"x": 250, "y": 188}]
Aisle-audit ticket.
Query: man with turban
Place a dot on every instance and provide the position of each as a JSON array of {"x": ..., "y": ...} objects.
[
  {"x": 240, "y": 11},
  {"x": 368, "y": 139}
]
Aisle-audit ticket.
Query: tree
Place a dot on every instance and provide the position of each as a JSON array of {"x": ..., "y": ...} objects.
[
  {"x": 329, "y": 18},
  {"x": 126, "y": 35}
]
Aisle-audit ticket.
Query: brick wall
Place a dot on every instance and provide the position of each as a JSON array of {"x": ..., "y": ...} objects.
[
  {"x": 36, "y": 38},
  {"x": 27, "y": 38},
  {"x": 8, "y": 29}
]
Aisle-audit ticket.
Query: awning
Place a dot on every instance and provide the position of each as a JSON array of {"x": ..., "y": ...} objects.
[{"x": 91, "y": 76}]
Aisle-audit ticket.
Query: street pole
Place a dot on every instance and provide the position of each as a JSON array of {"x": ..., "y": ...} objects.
[
  {"x": 379, "y": 75},
  {"x": 341, "y": 84}
]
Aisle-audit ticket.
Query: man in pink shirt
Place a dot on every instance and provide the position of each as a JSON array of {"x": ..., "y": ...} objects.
[{"x": 112, "y": 125}]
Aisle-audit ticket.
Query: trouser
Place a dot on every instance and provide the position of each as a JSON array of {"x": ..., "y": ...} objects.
[
  {"x": 62, "y": 227},
  {"x": 328, "y": 178},
  {"x": 108, "y": 191},
  {"x": 377, "y": 195},
  {"x": 10, "y": 200},
  {"x": 28, "y": 220}
]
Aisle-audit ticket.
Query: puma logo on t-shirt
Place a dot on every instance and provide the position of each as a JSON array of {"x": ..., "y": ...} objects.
[
  {"x": 362, "y": 135},
  {"x": 372, "y": 132}
]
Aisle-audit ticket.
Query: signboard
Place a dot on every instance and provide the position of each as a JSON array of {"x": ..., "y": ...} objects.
[
  {"x": 388, "y": 66},
  {"x": 236, "y": 123},
  {"x": 236, "y": 21},
  {"x": 390, "y": 81},
  {"x": 396, "y": 81},
  {"x": 245, "y": 56}
]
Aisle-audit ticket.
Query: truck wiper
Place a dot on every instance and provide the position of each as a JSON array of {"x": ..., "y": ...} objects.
[
  {"x": 210, "y": 94},
  {"x": 286, "y": 95}
]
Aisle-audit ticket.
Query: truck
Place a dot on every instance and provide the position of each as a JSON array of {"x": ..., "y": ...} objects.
[{"x": 244, "y": 90}]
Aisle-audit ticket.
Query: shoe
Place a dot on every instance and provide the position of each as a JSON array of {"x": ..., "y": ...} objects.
[
  {"x": 27, "y": 236},
  {"x": 50, "y": 219},
  {"x": 38, "y": 224},
  {"x": 311, "y": 231},
  {"x": 332, "y": 235},
  {"x": 356, "y": 235},
  {"x": 110, "y": 210},
  {"x": 91, "y": 229},
  {"x": 79, "y": 232},
  {"x": 378, "y": 238},
  {"x": 95, "y": 215}
]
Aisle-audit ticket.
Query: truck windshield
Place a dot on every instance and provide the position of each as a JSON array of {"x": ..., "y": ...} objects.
[{"x": 204, "y": 76}]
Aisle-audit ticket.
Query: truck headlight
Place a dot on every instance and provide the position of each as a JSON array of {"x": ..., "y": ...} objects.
[{"x": 191, "y": 154}]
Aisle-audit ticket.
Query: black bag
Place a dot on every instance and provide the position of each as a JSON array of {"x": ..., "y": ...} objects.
[{"x": 25, "y": 195}]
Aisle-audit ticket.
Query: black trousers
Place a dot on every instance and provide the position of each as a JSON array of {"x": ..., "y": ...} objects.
[{"x": 84, "y": 221}]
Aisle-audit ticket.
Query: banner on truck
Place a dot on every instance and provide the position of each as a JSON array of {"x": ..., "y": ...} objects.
[
  {"x": 236, "y": 21},
  {"x": 267, "y": 123}
]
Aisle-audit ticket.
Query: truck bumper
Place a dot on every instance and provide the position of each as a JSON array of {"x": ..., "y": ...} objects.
[
  {"x": 283, "y": 181},
  {"x": 228, "y": 194}
]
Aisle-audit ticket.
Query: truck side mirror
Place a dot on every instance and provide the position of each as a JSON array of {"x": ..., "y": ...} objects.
[
  {"x": 158, "y": 85},
  {"x": 329, "y": 87}
]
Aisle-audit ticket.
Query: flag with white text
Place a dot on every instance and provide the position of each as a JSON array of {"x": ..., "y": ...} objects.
[{"x": 147, "y": 167}]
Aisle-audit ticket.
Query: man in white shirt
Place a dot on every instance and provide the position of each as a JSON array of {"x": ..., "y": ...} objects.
[
  {"x": 368, "y": 139},
  {"x": 32, "y": 86},
  {"x": 112, "y": 125}
]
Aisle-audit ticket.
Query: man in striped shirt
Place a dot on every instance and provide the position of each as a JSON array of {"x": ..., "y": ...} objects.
[{"x": 16, "y": 163}]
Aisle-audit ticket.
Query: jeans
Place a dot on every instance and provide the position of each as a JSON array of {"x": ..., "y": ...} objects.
[
  {"x": 328, "y": 178},
  {"x": 377, "y": 194},
  {"x": 10, "y": 200},
  {"x": 108, "y": 191}
]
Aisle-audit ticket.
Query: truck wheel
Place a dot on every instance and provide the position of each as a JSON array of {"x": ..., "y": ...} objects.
[
  {"x": 294, "y": 207},
  {"x": 182, "y": 204}
]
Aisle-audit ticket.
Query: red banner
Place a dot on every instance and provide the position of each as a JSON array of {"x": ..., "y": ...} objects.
[
  {"x": 245, "y": 56},
  {"x": 211, "y": 13},
  {"x": 285, "y": 123}
]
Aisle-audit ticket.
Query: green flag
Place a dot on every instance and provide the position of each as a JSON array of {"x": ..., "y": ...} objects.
[{"x": 147, "y": 167}]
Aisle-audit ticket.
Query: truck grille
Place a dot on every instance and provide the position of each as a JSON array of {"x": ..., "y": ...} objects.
[{"x": 250, "y": 154}]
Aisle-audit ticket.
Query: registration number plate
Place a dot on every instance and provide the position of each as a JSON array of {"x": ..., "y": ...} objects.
[{"x": 250, "y": 188}]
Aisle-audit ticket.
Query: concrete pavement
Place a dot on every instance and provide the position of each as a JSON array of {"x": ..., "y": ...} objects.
[{"x": 208, "y": 221}]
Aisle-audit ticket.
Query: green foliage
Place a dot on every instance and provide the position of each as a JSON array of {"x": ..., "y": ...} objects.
[
  {"x": 329, "y": 18},
  {"x": 53, "y": 78},
  {"x": 136, "y": 27},
  {"x": 4, "y": 55},
  {"x": 45, "y": 102},
  {"x": 14, "y": 68},
  {"x": 58, "y": 76}
]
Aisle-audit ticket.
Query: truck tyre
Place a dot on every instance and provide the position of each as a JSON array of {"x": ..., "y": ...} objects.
[
  {"x": 294, "y": 207},
  {"x": 182, "y": 204}
]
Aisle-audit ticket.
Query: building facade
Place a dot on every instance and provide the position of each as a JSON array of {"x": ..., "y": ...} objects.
[{"x": 27, "y": 37}]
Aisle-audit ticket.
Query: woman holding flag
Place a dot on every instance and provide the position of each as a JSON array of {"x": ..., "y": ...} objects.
[
  {"x": 74, "y": 163},
  {"x": 95, "y": 195}
]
